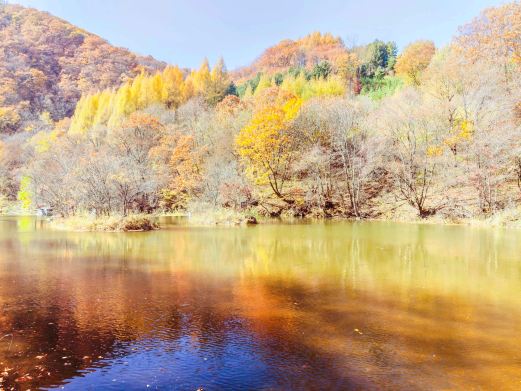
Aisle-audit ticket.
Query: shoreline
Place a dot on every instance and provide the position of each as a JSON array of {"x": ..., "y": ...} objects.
[{"x": 147, "y": 223}]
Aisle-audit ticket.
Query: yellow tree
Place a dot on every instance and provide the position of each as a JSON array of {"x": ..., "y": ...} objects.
[
  {"x": 414, "y": 60},
  {"x": 294, "y": 85},
  {"x": 174, "y": 87},
  {"x": 188, "y": 89},
  {"x": 105, "y": 107},
  {"x": 155, "y": 89},
  {"x": 201, "y": 78},
  {"x": 112, "y": 107},
  {"x": 43, "y": 141},
  {"x": 220, "y": 82},
  {"x": 264, "y": 83},
  {"x": 146, "y": 90},
  {"x": 266, "y": 144},
  {"x": 85, "y": 113},
  {"x": 25, "y": 194},
  {"x": 138, "y": 94},
  {"x": 124, "y": 104},
  {"x": 248, "y": 93},
  {"x": 332, "y": 86}
]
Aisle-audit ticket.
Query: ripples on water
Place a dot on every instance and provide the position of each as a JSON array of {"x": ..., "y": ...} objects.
[{"x": 307, "y": 306}]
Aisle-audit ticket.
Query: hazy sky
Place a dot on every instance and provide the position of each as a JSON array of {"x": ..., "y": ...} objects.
[{"x": 184, "y": 32}]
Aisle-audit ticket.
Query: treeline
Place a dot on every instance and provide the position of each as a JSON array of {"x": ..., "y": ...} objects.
[{"x": 374, "y": 134}]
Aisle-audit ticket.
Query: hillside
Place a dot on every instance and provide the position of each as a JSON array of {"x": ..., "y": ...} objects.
[
  {"x": 320, "y": 130},
  {"x": 304, "y": 52},
  {"x": 46, "y": 64}
]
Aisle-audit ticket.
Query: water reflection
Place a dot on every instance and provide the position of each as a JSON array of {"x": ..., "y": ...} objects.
[{"x": 314, "y": 306}]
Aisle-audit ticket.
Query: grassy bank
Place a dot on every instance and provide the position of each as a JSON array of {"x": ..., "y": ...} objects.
[
  {"x": 132, "y": 223},
  {"x": 12, "y": 208},
  {"x": 221, "y": 217},
  {"x": 506, "y": 218},
  {"x": 509, "y": 218}
]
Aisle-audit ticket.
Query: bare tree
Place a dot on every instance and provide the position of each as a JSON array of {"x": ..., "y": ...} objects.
[{"x": 416, "y": 147}]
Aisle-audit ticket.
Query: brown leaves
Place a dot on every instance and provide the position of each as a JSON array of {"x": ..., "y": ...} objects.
[{"x": 494, "y": 35}]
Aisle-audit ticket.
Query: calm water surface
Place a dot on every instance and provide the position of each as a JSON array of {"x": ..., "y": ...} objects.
[{"x": 310, "y": 306}]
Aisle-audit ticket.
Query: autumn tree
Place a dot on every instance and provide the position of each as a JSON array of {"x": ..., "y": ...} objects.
[
  {"x": 494, "y": 38},
  {"x": 174, "y": 89},
  {"x": 414, "y": 59},
  {"x": 494, "y": 35},
  {"x": 348, "y": 66},
  {"x": 185, "y": 171},
  {"x": 220, "y": 83},
  {"x": 267, "y": 146},
  {"x": 9, "y": 119}
]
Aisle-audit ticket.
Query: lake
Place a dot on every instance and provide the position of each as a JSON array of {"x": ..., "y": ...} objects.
[{"x": 334, "y": 305}]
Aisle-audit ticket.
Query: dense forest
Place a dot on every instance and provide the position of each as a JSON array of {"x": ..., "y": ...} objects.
[{"x": 313, "y": 128}]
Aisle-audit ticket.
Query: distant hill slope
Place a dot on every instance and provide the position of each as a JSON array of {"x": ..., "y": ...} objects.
[
  {"x": 47, "y": 63},
  {"x": 304, "y": 52}
]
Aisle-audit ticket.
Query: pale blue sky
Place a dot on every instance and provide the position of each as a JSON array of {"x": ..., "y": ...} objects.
[{"x": 184, "y": 32}]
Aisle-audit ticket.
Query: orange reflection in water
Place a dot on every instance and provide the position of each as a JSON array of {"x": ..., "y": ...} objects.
[{"x": 321, "y": 306}]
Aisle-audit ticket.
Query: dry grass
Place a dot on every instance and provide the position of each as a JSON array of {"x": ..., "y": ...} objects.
[
  {"x": 12, "y": 208},
  {"x": 132, "y": 223},
  {"x": 509, "y": 218},
  {"x": 202, "y": 214}
]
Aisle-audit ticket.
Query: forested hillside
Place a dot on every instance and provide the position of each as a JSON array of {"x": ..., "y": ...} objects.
[
  {"x": 304, "y": 53},
  {"x": 46, "y": 64},
  {"x": 365, "y": 68},
  {"x": 312, "y": 128}
]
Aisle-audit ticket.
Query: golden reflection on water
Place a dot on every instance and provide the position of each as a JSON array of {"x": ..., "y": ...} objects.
[{"x": 334, "y": 305}]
